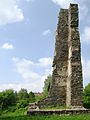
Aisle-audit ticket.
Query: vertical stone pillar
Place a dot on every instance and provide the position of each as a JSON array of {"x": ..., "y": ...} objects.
[
  {"x": 57, "y": 92},
  {"x": 74, "y": 81},
  {"x": 67, "y": 84},
  {"x": 60, "y": 62}
]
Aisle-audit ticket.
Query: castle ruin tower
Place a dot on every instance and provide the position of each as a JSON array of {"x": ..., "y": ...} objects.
[{"x": 67, "y": 82}]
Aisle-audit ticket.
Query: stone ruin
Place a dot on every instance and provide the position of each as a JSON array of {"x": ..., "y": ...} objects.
[{"x": 67, "y": 83}]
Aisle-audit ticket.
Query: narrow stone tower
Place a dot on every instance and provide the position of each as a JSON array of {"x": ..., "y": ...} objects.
[
  {"x": 67, "y": 83},
  {"x": 74, "y": 82}
]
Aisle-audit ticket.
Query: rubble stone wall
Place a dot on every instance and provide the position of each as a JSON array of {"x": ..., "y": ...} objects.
[{"x": 66, "y": 86}]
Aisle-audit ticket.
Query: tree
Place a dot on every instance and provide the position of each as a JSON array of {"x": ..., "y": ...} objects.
[
  {"x": 22, "y": 94},
  {"x": 7, "y": 98},
  {"x": 1, "y": 101},
  {"x": 32, "y": 97},
  {"x": 46, "y": 88},
  {"x": 86, "y": 96},
  {"x": 23, "y": 103},
  {"x": 47, "y": 83}
]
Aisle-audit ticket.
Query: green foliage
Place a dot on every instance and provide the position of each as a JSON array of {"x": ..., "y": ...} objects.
[
  {"x": 44, "y": 95},
  {"x": 12, "y": 108},
  {"x": 11, "y": 101},
  {"x": 31, "y": 97},
  {"x": 86, "y": 96},
  {"x": 22, "y": 94},
  {"x": 47, "y": 83},
  {"x": 17, "y": 116},
  {"x": 7, "y": 98},
  {"x": 46, "y": 88},
  {"x": 15, "y": 109},
  {"x": 9, "y": 114},
  {"x": 22, "y": 103},
  {"x": 38, "y": 98}
]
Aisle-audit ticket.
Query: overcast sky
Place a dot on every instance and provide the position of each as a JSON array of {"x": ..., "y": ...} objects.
[{"x": 27, "y": 41}]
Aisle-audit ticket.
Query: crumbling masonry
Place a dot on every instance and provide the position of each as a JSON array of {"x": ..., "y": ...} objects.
[{"x": 67, "y": 83}]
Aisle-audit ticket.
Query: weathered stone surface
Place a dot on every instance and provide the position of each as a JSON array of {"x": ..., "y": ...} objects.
[
  {"x": 57, "y": 92},
  {"x": 33, "y": 106},
  {"x": 74, "y": 81},
  {"x": 67, "y": 84},
  {"x": 59, "y": 112}
]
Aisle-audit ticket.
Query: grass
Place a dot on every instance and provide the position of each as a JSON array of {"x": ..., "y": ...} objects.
[
  {"x": 20, "y": 114},
  {"x": 50, "y": 117}
]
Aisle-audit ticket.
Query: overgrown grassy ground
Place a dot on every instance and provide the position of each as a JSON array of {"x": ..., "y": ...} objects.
[
  {"x": 21, "y": 115},
  {"x": 53, "y": 117}
]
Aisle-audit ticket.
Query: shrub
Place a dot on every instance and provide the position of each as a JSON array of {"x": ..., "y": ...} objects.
[
  {"x": 22, "y": 103},
  {"x": 7, "y": 98},
  {"x": 31, "y": 97},
  {"x": 22, "y": 94},
  {"x": 86, "y": 96}
]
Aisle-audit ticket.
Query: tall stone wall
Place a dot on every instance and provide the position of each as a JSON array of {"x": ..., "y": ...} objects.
[
  {"x": 58, "y": 86},
  {"x": 74, "y": 80},
  {"x": 66, "y": 87}
]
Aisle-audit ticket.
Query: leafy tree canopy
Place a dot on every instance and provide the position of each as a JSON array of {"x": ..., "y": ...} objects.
[
  {"x": 86, "y": 96},
  {"x": 22, "y": 94},
  {"x": 7, "y": 98},
  {"x": 47, "y": 83},
  {"x": 32, "y": 97}
]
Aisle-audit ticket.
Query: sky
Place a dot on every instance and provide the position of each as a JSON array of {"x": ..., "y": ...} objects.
[{"x": 27, "y": 41}]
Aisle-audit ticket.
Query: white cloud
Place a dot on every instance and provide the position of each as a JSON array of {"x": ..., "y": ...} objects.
[
  {"x": 15, "y": 59},
  {"x": 45, "y": 62},
  {"x": 33, "y": 73},
  {"x": 83, "y": 10},
  {"x": 86, "y": 68},
  {"x": 46, "y": 32},
  {"x": 86, "y": 71},
  {"x": 29, "y": 0},
  {"x": 10, "y": 12},
  {"x": 82, "y": 6},
  {"x": 7, "y": 46},
  {"x": 85, "y": 37},
  {"x": 63, "y": 3},
  {"x": 17, "y": 86}
]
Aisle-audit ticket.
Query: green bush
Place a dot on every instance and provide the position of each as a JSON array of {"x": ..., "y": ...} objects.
[
  {"x": 22, "y": 94},
  {"x": 86, "y": 96},
  {"x": 47, "y": 83},
  {"x": 31, "y": 97},
  {"x": 22, "y": 103},
  {"x": 7, "y": 98}
]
